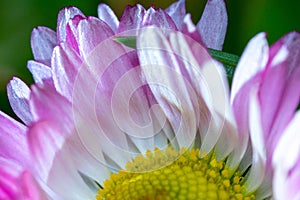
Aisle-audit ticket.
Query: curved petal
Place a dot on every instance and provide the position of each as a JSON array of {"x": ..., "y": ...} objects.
[
  {"x": 106, "y": 14},
  {"x": 92, "y": 32},
  {"x": 177, "y": 12},
  {"x": 18, "y": 95},
  {"x": 43, "y": 40},
  {"x": 213, "y": 24},
  {"x": 253, "y": 60},
  {"x": 65, "y": 65}
]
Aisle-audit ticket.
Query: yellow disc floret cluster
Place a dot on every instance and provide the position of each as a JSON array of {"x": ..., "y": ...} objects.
[{"x": 169, "y": 174}]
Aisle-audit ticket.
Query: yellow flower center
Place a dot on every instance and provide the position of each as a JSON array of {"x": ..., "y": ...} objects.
[{"x": 169, "y": 174}]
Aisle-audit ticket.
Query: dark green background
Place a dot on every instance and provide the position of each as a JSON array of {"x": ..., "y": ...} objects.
[{"x": 18, "y": 18}]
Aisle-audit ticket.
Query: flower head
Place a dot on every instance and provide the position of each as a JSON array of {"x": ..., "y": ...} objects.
[{"x": 105, "y": 121}]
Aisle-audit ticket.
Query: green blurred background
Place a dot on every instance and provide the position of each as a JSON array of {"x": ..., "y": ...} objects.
[{"x": 18, "y": 18}]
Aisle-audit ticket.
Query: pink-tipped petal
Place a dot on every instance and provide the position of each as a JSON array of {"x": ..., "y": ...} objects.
[
  {"x": 177, "y": 12},
  {"x": 106, "y": 14},
  {"x": 41, "y": 73},
  {"x": 63, "y": 18},
  {"x": 13, "y": 145},
  {"x": 18, "y": 94},
  {"x": 213, "y": 24},
  {"x": 43, "y": 40}
]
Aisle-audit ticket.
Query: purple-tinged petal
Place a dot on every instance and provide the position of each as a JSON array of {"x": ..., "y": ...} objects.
[
  {"x": 213, "y": 24},
  {"x": 43, "y": 40},
  {"x": 72, "y": 32},
  {"x": 177, "y": 12},
  {"x": 132, "y": 18},
  {"x": 63, "y": 18},
  {"x": 285, "y": 162},
  {"x": 106, "y": 14},
  {"x": 18, "y": 94},
  {"x": 41, "y": 73},
  {"x": 92, "y": 32},
  {"x": 281, "y": 82},
  {"x": 137, "y": 17},
  {"x": 13, "y": 142},
  {"x": 65, "y": 65},
  {"x": 158, "y": 18},
  {"x": 189, "y": 28}
]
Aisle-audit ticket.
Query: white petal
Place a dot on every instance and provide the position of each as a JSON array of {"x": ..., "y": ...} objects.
[
  {"x": 258, "y": 168},
  {"x": 253, "y": 60}
]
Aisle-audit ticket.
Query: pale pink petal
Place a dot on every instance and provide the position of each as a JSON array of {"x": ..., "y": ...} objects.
[
  {"x": 43, "y": 40},
  {"x": 18, "y": 94},
  {"x": 52, "y": 108},
  {"x": 30, "y": 189},
  {"x": 65, "y": 65},
  {"x": 53, "y": 161},
  {"x": 47, "y": 104},
  {"x": 177, "y": 12},
  {"x": 41, "y": 73},
  {"x": 106, "y": 14},
  {"x": 213, "y": 24},
  {"x": 64, "y": 16},
  {"x": 13, "y": 145}
]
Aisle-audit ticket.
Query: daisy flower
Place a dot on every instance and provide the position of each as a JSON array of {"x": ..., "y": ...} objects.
[{"x": 105, "y": 121}]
